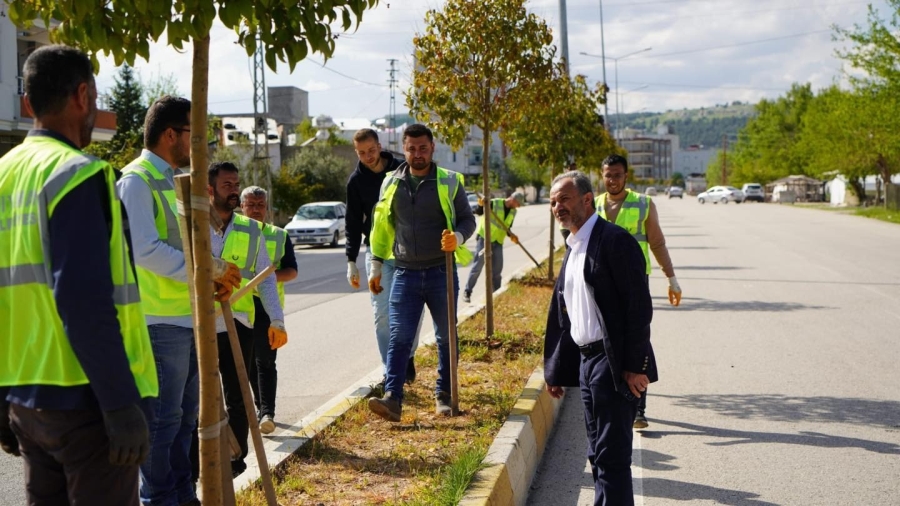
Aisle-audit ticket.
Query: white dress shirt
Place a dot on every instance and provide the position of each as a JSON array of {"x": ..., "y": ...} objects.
[
  {"x": 268, "y": 290},
  {"x": 587, "y": 325}
]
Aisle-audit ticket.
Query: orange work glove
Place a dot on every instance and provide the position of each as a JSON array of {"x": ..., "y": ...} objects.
[
  {"x": 375, "y": 278},
  {"x": 226, "y": 273},
  {"x": 514, "y": 238},
  {"x": 674, "y": 291},
  {"x": 450, "y": 241},
  {"x": 277, "y": 334},
  {"x": 481, "y": 201},
  {"x": 223, "y": 292}
]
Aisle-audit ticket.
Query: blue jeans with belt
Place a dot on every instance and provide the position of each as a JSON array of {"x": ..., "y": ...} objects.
[
  {"x": 412, "y": 290},
  {"x": 166, "y": 474}
]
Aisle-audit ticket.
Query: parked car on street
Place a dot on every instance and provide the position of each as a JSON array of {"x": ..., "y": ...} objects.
[
  {"x": 723, "y": 194},
  {"x": 651, "y": 191},
  {"x": 675, "y": 191},
  {"x": 318, "y": 223},
  {"x": 473, "y": 200},
  {"x": 754, "y": 191}
]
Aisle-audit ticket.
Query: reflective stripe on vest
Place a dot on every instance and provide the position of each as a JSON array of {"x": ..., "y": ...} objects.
[
  {"x": 498, "y": 234},
  {"x": 276, "y": 238},
  {"x": 381, "y": 239},
  {"x": 35, "y": 350},
  {"x": 241, "y": 247},
  {"x": 633, "y": 214},
  {"x": 161, "y": 296}
]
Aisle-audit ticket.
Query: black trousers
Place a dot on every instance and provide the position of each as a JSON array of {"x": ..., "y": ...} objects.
[
  {"x": 608, "y": 418},
  {"x": 66, "y": 455},
  {"x": 234, "y": 401},
  {"x": 263, "y": 374}
]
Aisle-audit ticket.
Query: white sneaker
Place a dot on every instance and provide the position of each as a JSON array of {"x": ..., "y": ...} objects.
[{"x": 267, "y": 425}]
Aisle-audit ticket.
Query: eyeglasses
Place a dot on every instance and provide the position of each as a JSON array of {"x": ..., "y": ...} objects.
[{"x": 182, "y": 130}]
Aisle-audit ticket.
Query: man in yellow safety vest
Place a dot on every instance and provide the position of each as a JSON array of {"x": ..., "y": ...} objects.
[
  {"x": 263, "y": 374},
  {"x": 423, "y": 213},
  {"x": 636, "y": 213},
  {"x": 75, "y": 356},
  {"x": 504, "y": 209}
]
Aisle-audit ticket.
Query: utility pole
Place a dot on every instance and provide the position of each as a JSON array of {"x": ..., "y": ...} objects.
[
  {"x": 724, "y": 159},
  {"x": 564, "y": 33},
  {"x": 392, "y": 81},
  {"x": 603, "y": 59},
  {"x": 260, "y": 122}
]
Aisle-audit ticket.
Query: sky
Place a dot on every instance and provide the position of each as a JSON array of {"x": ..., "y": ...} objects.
[{"x": 702, "y": 53}]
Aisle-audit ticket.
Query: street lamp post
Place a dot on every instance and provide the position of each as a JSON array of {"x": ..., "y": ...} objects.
[
  {"x": 603, "y": 57},
  {"x": 616, "y": 62}
]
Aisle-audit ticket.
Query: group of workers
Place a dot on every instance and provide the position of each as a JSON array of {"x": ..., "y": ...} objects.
[
  {"x": 99, "y": 390},
  {"x": 99, "y": 377}
]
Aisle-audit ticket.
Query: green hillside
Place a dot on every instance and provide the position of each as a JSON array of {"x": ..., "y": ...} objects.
[{"x": 704, "y": 126}]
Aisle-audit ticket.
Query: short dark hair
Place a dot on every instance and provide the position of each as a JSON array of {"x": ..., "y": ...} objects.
[
  {"x": 52, "y": 75},
  {"x": 611, "y": 160},
  {"x": 167, "y": 112},
  {"x": 581, "y": 180},
  {"x": 216, "y": 167},
  {"x": 365, "y": 133},
  {"x": 417, "y": 130}
]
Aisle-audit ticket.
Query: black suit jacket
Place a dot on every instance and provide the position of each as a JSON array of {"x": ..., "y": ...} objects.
[{"x": 615, "y": 270}]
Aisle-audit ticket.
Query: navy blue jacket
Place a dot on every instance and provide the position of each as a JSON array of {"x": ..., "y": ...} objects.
[{"x": 616, "y": 271}]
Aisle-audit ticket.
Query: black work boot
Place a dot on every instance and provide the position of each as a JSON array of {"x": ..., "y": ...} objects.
[
  {"x": 411, "y": 371},
  {"x": 387, "y": 407},
  {"x": 442, "y": 404}
]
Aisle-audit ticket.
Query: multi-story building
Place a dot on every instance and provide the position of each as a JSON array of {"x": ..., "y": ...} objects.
[
  {"x": 693, "y": 160},
  {"x": 15, "y": 118},
  {"x": 649, "y": 158}
]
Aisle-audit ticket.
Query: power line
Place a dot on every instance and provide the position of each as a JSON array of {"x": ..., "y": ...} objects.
[
  {"x": 722, "y": 87},
  {"x": 724, "y": 46},
  {"x": 344, "y": 75}
]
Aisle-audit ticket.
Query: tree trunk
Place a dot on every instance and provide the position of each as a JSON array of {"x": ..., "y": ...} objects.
[
  {"x": 859, "y": 188},
  {"x": 488, "y": 254},
  {"x": 204, "y": 309}
]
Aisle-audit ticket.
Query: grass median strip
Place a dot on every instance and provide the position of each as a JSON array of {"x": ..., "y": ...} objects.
[{"x": 425, "y": 459}]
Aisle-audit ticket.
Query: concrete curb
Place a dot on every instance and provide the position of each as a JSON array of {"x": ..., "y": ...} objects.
[
  {"x": 279, "y": 447},
  {"x": 516, "y": 452}
]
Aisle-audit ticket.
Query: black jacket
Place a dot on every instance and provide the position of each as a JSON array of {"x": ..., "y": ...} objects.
[
  {"x": 616, "y": 271},
  {"x": 363, "y": 188}
]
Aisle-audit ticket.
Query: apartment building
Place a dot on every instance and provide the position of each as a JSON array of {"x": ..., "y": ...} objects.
[{"x": 15, "y": 119}]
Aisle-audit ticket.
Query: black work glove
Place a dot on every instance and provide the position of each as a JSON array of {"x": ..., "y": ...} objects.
[
  {"x": 129, "y": 438},
  {"x": 8, "y": 440}
]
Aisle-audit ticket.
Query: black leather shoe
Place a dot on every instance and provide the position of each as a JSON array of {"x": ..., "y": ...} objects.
[
  {"x": 411, "y": 371},
  {"x": 442, "y": 404},
  {"x": 387, "y": 407}
]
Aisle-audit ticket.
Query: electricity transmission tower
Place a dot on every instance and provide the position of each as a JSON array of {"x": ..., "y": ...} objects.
[
  {"x": 392, "y": 122},
  {"x": 260, "y": 122}
]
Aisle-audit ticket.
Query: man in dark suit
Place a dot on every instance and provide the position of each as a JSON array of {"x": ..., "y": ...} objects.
[{"x": 598, "y": 333}]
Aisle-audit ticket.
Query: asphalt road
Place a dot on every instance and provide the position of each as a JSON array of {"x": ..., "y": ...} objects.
[
  {"x": 778, "y": 373},
  {"x": 330, "y": 328}
]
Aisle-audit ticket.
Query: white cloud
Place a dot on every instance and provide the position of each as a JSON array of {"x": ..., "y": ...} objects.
[{"x": 745, "y": 72}]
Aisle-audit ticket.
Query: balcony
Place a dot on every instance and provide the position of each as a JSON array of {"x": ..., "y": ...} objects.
[{"x": 104, "y": 125}]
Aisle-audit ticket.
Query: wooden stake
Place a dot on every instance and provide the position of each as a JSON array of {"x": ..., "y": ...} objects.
[
  {"x": 247, "y": 395},
  {"x": 244, "y": 290},
  {"x": 451, "y": 335}
]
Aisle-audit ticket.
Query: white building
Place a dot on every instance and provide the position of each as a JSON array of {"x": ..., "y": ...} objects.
[
  {"x": 15, "y": 119},
  {"x": 240, "y": 131}
]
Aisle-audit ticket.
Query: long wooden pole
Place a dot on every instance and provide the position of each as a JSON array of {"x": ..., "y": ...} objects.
[
  {"x": 259, "y": 278},
  {"x": 506, "y": 229},
  {"x": 451, "y": 335},
  {"x": 247, "y": 395},
  {"x": 204, "y": 315}
]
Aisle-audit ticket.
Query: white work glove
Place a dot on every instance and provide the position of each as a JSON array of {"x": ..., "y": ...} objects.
[
  {"x": 353, "y": 274},
  {"x": 674, "y": 291},
  {"x": 375, "y": 278},
  {"x": 277, "y": 334}
]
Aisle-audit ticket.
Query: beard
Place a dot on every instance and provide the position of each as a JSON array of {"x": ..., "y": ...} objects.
[
  {"x": 181, "y": 157},
  {"x": 228, "y": 202},
  {"x": 87, "y": 128},
  {"x": 419, "y": 163}
]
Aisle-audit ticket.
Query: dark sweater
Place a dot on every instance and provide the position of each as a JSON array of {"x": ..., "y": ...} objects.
[
  {"x": 363, "y": 189},
  {"x": 419, "y": 220}
]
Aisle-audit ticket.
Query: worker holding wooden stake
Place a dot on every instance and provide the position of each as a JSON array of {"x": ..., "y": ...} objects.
[
  {"x": 422, "y": 213},
  {"x": 147, "y": 189},
  {"x": 241, "y": 241},
  {"x": 502, "y": 209}
]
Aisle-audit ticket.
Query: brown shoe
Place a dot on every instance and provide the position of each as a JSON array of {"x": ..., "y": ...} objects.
[
  {"x": 640, "y": 421},
  {"x": 387, "y": 407},
  {"x": 442, "y": 404}
]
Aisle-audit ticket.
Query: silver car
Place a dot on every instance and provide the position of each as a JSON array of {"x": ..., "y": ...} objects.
[
  {"x": 318, "y": 223},
  {"x": 723, "y": 194}
]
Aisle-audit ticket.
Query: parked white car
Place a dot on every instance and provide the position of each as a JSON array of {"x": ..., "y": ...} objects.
[
  {"x": 318, "y": 223},
  {"x": 723, "y": 194},
  {"x": 754, "y": 191}
]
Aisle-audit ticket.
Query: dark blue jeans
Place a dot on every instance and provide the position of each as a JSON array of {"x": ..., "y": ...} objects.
[
  {"x": 166, "y": 474},
  {"x": 608, "y": 418},
  {"x": 412, "y": 290}
]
